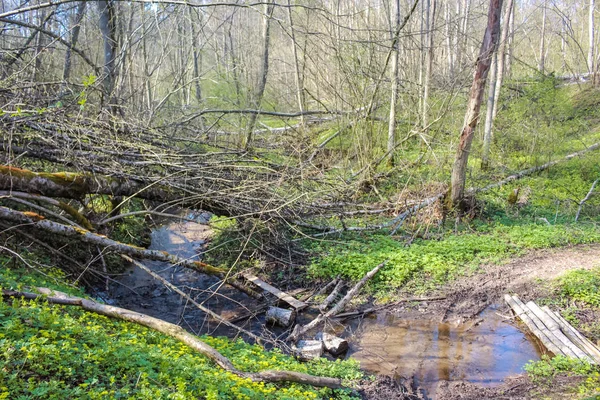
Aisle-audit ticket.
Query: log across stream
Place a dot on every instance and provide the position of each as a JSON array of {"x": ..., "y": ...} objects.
[{"x": 430, "y": 351}]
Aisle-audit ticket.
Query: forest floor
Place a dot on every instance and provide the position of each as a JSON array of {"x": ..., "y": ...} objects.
[{"x": 531, "y": 277}]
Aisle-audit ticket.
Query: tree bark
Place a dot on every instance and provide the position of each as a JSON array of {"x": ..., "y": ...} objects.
[
  {"x": 542, "y": 60},
  {"x": 431, "y": 8},
  {"x": 489, "y": 118},
  {"x": 591, "y": 50},
  {"x": 299, "y": 79},
  {"x": 108, "y": 28},
  {"x": 74, "y": 37},
  {"x": 488, "y": 47},
  {"x": 263, "y": 72},
  {"x": 501, "y": 57},
  {"x": 391, "y": 142}
]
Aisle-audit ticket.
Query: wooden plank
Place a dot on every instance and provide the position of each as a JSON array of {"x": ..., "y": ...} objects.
[
  {"x": 297, "y": 304},
  {"x": 555, "y": 329},
  {"x": 581, "y": 341},
  {"x": 518, "y": 307}
]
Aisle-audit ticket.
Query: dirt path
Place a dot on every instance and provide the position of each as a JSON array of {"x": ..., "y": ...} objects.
[{"x": 470, "y": 295}]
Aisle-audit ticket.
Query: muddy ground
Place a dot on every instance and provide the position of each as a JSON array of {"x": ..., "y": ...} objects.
[
  {"x": 465, "y": 300},
  {"x": 469, "y": 296}
]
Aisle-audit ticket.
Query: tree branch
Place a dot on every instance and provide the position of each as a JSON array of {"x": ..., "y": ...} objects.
[{"x": 176, "y": 332}]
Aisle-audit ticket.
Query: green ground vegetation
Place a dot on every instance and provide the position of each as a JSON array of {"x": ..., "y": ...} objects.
[
  {"x": 61, "y": 352},
  {"x": 539, "y": 121}
]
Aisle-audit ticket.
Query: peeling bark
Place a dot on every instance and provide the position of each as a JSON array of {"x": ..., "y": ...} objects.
[{"x": 488, "y": 47}]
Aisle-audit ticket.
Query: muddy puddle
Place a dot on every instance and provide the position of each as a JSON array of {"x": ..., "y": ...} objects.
[{"x": 484, "y": 354}]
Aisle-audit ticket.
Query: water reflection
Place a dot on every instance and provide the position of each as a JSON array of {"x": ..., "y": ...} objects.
[{"x": 483, "y": 354}]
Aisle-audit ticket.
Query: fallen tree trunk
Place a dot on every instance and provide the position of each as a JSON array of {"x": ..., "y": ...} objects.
[
  {"x": 79, "y": 218},
  {"x": 178, "y": 333},
  {"x": 189, "y": 299},
  {"x": 70, "y": 185},
  {"x": 332, "y": 296},
  {"x": 383, "y": 307},
  {"x": 39, "y": 222},
  {"x": 533, "y": 170}
]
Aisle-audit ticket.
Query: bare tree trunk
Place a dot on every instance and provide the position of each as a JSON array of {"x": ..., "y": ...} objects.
[
  {"x": 489, "y": 119},
  {"x": 495, "y": 86},
  {"x": 431, "y": 6},
  {"x": 511, "y": 37},
  {"x": 450, "y": 55},
  {"x": 488, "y": 47},
  {"x": 108, "y": 28},
  {"x": 465, "y": 27},
  {"x": 297, "y": 72},
  {"x": 391, "y": 142},
  {"x": 591, "y": 35},
  {"x": 501, "y": 57},
  {"x": 178, "y": 333},
  {"x": 196, "y": 56},
  {"x": 145, "y": 61},
  {"x": 74, "y": 37},
  {"x": 263, "y": 72},
  {"x": 542, "y": 61},
  {"x": 39, "y": 47}
]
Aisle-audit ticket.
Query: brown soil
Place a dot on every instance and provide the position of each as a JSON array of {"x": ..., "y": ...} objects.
[{"x": 469, "y": 296}]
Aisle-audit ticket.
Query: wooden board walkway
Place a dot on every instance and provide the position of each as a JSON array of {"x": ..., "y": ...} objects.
[
  {"x": 295, "y": 303},
  {"x": 553, "y": 331}
]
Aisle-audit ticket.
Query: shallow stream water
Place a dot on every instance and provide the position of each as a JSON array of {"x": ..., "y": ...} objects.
[
  {"x": 383, "y": 343},
  {"x": 431, "y": 352}
]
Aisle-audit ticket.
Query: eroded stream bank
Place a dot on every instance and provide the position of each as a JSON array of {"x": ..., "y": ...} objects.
[{"x": 387, "y": 343}]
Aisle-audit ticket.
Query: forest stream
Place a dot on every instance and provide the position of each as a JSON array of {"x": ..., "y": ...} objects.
[{"x": 484, "y": 352}]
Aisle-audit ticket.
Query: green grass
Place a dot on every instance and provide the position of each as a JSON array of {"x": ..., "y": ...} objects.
[{"x": 59, "y": 352}]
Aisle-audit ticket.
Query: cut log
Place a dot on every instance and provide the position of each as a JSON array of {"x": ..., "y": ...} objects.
[
  {"x": 332, "y": 344},
  {"x": 519, "y": 309},
  {"x": 308, "y": 349},
  {"x": 297, "y": 304},
  {"x": 176, "y": 332},
  {"x": 567, "y": 345},
  {"x": 280, "y": 316},
  {"x": 332, "y": 296},
  {"x": 581, "y": 341}
]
